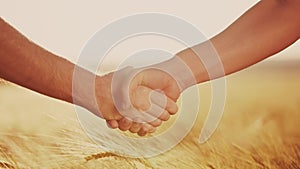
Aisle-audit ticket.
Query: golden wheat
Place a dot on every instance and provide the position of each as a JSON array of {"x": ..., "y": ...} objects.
[{"x": 259, "y": 129}]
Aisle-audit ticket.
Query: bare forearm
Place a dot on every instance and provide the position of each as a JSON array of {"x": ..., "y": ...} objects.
[
  {"x": 267, "y": 28},
  {"x": 26, "y": 64}
]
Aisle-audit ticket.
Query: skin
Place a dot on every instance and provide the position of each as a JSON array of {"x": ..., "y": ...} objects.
[
  {"x": 267, "y": 28},
  {"x": 264, "y": 30},
  {"x": 150, "y": 77},
  {"x": 29, "y": 65}
]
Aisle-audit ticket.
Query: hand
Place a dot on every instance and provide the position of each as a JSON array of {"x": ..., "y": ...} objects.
[
  {"x": 141, "y": 87},
  {"x": 139, "y": 91}
]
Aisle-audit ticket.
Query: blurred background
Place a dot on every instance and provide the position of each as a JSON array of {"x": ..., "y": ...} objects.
[
  {"x": 63, "y": 27},
  {"x": 259, "y": 128}
]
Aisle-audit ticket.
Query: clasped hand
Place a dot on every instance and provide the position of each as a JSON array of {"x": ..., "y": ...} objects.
[{"x": 137, "y": 100}]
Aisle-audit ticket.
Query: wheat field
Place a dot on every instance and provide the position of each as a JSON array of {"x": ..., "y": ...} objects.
[{"x": 259, "y": 128}]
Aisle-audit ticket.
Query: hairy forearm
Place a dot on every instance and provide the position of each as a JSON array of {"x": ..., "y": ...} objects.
[
  {"x": 265, "y": 29},
  {"x": 27, "y": 64}
]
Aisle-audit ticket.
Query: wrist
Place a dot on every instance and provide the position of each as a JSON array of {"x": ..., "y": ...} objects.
[
  {"x": 179, "y": 71},
  {"x": 83, "y": 88},
  {"x": 62, "y": 80},
  {"x": 194, "y": 63}
]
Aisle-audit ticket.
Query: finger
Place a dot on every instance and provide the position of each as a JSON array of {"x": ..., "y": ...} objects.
[
  {"x": 135, "y": 127},
  {"x": 163, "y": 101},
  {"x": 139, "y": 116},
  {"x": 146, "y": 128},
  {"x": 112, "y": 124},
  {"x": 158, "y": 98},
  {"x": 155, "y": 123},
  {"x": 144, "y": 117},
  {"x": 141, "y": 103},
  {"x": 158, "y": 112},
  {"x": 108, "y": 125},
  {"x": 151, "y": 129},
  {"x": 142, "y": 132},
  {"x": 116, "y": 114},
  {"x": 147, "y": 118},
  {"x": 171, "y": 106},
  {"x": 124, "y": 124},
  {"x": 140, "y": 98}
]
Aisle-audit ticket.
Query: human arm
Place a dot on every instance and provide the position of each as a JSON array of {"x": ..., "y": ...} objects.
[
  {"x": 29, "y": 65},
  {"x": 267, "y": 28}
]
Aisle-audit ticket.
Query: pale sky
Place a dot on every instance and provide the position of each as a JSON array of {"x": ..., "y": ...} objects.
[{"x": 63, "y": 26}]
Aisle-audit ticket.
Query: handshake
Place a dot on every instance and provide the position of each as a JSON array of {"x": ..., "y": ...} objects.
[{"x": 139, "y": 99}]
